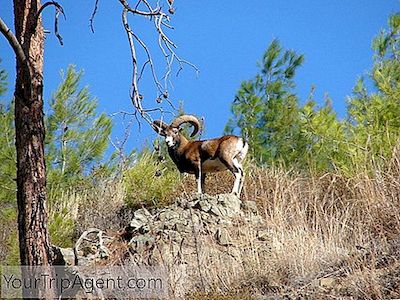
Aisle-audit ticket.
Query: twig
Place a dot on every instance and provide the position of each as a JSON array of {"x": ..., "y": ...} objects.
[
  {"x": 139, "y": 12},
  {"x": 14, "y": 43},
  {"x": 83, "y": 237},
  {"x": 96, "y": 5},
  {"x": 160, "y": 20},
  {"x": 58, "y": 9}
]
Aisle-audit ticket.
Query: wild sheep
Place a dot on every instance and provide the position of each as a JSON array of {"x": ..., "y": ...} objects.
[{"x": 201, "y": 157}]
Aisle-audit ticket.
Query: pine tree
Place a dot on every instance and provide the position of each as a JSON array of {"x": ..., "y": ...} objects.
[
  {"x": 3, "y": 81},
  {"x": 8, "y": 203},
  {"x": 7, "y": 155},
  {"x": 7, "y": 149},
  {"x": 374, "y": 117},
  {"x": 266, "y": 110},
  {"x": 77, "y": 136},
  {"x": 323, "y": 136}
]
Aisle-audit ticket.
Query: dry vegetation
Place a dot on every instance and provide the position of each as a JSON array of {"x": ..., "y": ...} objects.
[
  {"x": 331, "y": 235},
  {"x": 328, "y": 236}
]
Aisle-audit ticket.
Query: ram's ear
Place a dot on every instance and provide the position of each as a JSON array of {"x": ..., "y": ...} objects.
[{"x": 159, "y": 127}]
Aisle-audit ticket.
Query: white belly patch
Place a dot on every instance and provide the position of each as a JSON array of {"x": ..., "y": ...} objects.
[{"x": 213, "y": 165}]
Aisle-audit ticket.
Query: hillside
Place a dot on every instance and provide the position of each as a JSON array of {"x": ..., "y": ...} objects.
[{"x": 299, "y": 237}]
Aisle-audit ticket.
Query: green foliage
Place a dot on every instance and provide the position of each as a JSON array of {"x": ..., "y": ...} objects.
[
  {"x": 7, "y": 155},
  {"x": 8, "y": 205},
  {"x": 7, "y": 151},
  {"x": 9, "y": 250},
  {"x": 149, "y": 181},
  {"x": 267, "y": 112},
  {"x": 77, "y": 136},
  {"x": 323, "y": 136},
  {"x": 62, "y": 229},
  {"x": 374, "y": 118},
  {"x": 3, "y": 81},
  {"x": 309, "y": 138},
  {"x": 76, "y": 139}
]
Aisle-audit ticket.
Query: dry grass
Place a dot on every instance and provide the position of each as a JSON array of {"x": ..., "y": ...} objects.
[
  {"x": 327, "y": 235},
  {"x": 72, "y": 212}
]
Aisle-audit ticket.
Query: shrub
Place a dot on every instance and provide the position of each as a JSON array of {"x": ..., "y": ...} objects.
[{"x": 148, "y": 182}]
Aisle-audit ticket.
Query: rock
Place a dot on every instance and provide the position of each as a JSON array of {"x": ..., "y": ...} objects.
[
  {"x": 215, "y": 210},
  {"x": 190, "y": 233},
  {"x": 224, "y": 222},
  {"x": 142, "y": 214},
  {"x": 64, "y": 256},
  {"x": 194, "y": 220},
  {"x": 172, "y": 235},
  {"x": 204, "y": 205},
  {"x": 142, "y": 218},
  {"x": 85, "y": 260},
  {"x": 223, "y": 237},
  {"x": 168, "y": 214},
  {"x": 181, "y": 227},
  {"x": 230, "y": 202},
  {"x": 327, "y": 283},
  {"x": 250, "y": 206},
  {"x": 205, "y": 216},
  {"x": 263, "y": 235},
  {"x": 140, "y": 242}
]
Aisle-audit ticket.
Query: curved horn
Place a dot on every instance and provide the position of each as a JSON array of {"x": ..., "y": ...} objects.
[
  {"x": 187, "y": 119},
  {"x": 159, "y": 127}
]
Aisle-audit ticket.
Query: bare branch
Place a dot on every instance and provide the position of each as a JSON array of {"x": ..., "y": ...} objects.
[
  {"x": 16, "y": 46},
  {"x": 58, "y": 9},
  {"x": 53, "y": 3},
  {"x": 159, "y": 23},
  {"x": 56, "y": 32},
  {"x": 160, "y": 19},
  {"x": 135, "y": 95},
  {"x": 96, "y": 5},
  {"x": 149, "y": 13},
  {"x": 150, "y": 60},
  {"x": 142, "y": 70},
  {"x": 12, "y": 40}
]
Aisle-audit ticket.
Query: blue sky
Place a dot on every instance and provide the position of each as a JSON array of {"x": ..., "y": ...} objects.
[{"x": 224, "y": 39}]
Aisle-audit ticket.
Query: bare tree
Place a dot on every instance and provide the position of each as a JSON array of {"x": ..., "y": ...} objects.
[{"x": 160, "y": 16}]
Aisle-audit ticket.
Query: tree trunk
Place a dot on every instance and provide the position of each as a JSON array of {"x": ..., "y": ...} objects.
[{"x": 35, "y": 249}]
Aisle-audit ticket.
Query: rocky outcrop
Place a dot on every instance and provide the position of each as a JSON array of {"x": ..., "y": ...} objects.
[
  {"x": 199, "y": 241},
  {"x": 203, "y": 242},
  {"x": 213, "y": 216},
  {"x": 190, "y": 236}
]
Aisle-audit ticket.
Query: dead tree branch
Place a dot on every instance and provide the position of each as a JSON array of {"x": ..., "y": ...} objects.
[
  {"x": 161, "y": 22},
  {"x": 22, "y": 60},
  {"x": 58, "y": 10},
  {"x": 96, "y": 6},
  {"x": 16, "y": 46}
]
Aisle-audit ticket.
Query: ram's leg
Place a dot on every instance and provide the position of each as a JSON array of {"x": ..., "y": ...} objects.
[
  {"x": 242, "y": 148},
  {"x": 242, "y": 174},
  {"x": 203, "y": 181},
  {"x": 241, "y": 183},
  {"x": 237, "y": 183},
  {"x": 231, "y": 165},
  {"x": 199, "y": 179}
]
